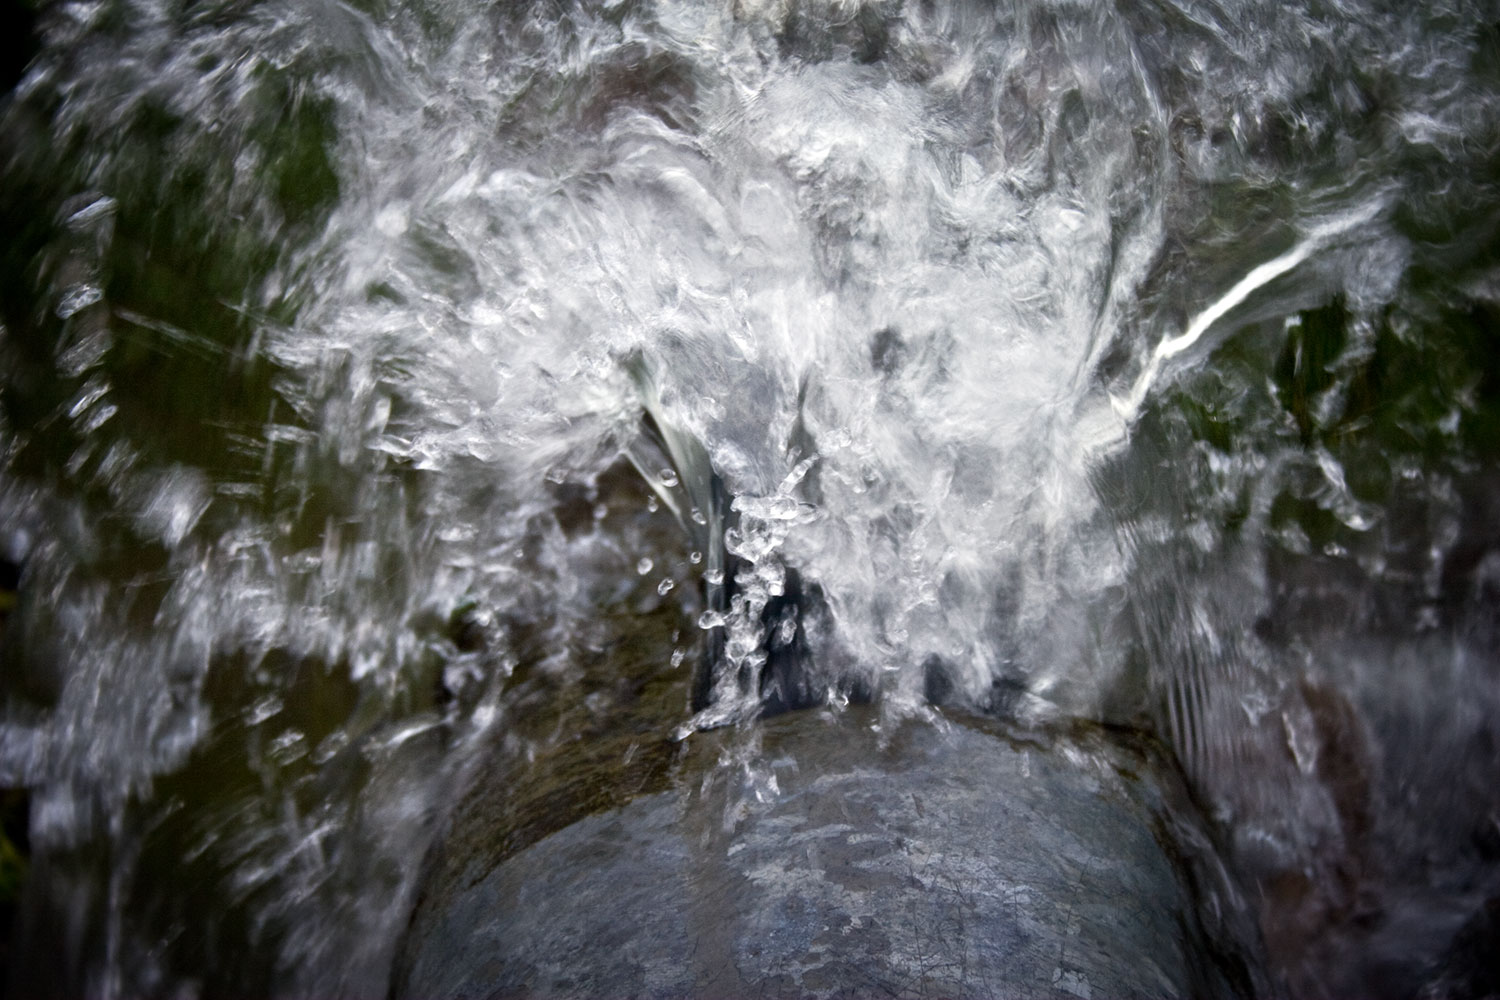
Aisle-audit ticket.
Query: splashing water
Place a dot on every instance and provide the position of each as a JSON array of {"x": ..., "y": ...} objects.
[{"x": 1133, "y": 363}]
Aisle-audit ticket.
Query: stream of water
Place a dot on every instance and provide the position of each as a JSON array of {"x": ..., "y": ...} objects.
[{"x": 1133, "y": 362}]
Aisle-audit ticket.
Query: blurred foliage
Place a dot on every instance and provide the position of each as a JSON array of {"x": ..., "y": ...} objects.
[
  {"x": 15, "y": 820},
  {"x": 15, "y": 812},
  {"x": 194, "y": 258},
  {"x": 1364, "y": 438}
]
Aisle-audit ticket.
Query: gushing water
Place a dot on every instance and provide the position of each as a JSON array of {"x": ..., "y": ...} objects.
[{"x": 1134, "y": 363}]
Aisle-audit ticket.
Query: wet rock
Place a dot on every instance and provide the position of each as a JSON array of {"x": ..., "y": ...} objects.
[{"x": 828, "y": 854}]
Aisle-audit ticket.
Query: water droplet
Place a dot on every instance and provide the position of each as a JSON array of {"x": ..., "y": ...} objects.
[
  {"x": 714, "y": 577},
  {"x": 263, "y": 710},
  {"x": 668, "y": 478},
  {"x": 644, "y": 566},
  {"x": 695, "y": 557},
  {"x": 678, "y": 655},
  {"x": 665, "y": 587},
  {"x": 697, "y": 516},
  {"x": 600, "y": 510},
  {"x": 77, "y": 299},
  {"x": 652, "y": 504},
  {"x": 92, "y": 212}
]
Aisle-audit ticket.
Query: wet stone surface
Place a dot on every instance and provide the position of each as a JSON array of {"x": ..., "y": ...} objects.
[{"x": 833, "y": 859}]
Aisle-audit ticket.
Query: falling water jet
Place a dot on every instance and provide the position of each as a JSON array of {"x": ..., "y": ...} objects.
[{"x": 793, "y": 624}]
